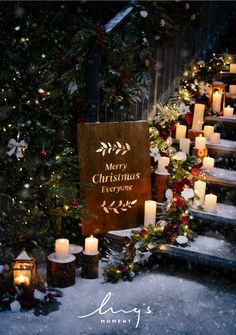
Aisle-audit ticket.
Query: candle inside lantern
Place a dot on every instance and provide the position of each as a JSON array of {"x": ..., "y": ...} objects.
[
  {"x": 210, "y": 203},
  {"x": 150, "y": 208},
  {"x": 228, "y": 111},
  {"x": 215, "y": 138},
  {"x": 232, "y": 89},
  {"x": 200, "y": 142},
  {"x": 61, "y": 248},
  {"x": 22, "y": 280},
  {"x": 184, "y": 145},
  {"x": 216, "y": 101},
  {"x": 208, "y": 163},
  {"x": 208, "y": 130},
  {"x": 91, "y": 245},
  {"x": 162, "y": 163},
  {"x": 198, "y": 117},
  {"x": 232, "y": 68},
  {"x": 199, "y": 190},
  {"x": 180, "y": 131}
]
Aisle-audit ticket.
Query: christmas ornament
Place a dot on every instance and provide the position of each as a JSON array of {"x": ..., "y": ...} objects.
[
  {"x": 16, "y": 147},
  {"x": 74, "y": 203},
  {"x": 182, "y": 239},
  {"x": 41, "y": 93},
  {"x": 43, "y": 153}
]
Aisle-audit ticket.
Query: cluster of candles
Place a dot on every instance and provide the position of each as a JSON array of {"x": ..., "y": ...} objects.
[
  {"x": 63, "y": 248},
  {"x": 208, "y": 201}
]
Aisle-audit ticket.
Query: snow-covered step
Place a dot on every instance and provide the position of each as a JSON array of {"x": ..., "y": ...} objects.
[
  {"x": 229, "y": 121},
  {"x": 210, "y": 252},
  {"x": 225, "y": 215},
  {"x": 224, "y": 148},
  {"x": 220, "y": 176}
]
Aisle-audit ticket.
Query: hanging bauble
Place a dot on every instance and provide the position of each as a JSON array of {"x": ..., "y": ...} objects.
[
  {"x": 43, "y": 153},
  {"x": 41, "y": 93},
  {"x": 74, "y": 203}
]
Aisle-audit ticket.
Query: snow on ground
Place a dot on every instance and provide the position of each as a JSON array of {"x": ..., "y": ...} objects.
[{"x": 154, "y": 304}]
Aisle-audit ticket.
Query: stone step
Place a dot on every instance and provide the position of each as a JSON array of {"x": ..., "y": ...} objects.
[
  {"x": 210, "y": 252},
  {"x": 224, "y": 148},
  {"x": 229, "y": 121},
  {"x": 225, "y": 215},
  {"x": 218, "y": 176}
]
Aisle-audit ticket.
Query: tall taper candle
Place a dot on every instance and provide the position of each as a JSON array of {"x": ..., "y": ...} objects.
[{"x": 198, "y": 117}]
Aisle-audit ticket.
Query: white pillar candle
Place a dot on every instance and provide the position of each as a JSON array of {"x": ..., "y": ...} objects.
[
  {"x": 91, "y": 245},
  {"x": 200, "y": 142},
  {"x": 232, "y": 68},
  {"x": 215, "y": 138},
  {"x": 150, "y": 208},
  {"x": 180, "y": 131},
  {"x": 228, "y": 111},
  {"x": 232, "y": 89},
  {"x": 62, "y": 248},
  {"x": 184, "y": 145},
  {"x": 208, "y": 130},
  {"x": 199, "y": 190},
  {"x": 198, "y": 117},
  {"x": 162, "y": 163},
  {"x": 210, "y": 203},
  {"x": 208, "y": 163},
  {"x": 216, "y": 102}
]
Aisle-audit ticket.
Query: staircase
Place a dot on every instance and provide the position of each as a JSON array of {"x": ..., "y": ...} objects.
[
  {"x": 215, "y": 247},
  {"x": 214, "y": 250}
]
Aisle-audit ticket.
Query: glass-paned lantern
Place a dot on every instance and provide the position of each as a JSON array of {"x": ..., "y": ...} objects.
[
  {"x": 217, "y": 97},
  {"x": 24, "y": 269}
]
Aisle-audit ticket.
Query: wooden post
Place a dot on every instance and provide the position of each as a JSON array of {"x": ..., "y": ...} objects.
[
  {"x": 159, "y": 186},
  {"x": 194, "y": 133},
  {"x": 77, "y": 251},
  {"x": 90, "y": 266},
  {"x": 60, "y": 272}
]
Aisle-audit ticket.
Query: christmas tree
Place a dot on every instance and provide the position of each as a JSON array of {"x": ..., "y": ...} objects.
[{"x": 39, "y": 164}]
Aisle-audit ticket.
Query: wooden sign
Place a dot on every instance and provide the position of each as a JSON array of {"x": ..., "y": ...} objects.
[{"x": 115, "y": 165}]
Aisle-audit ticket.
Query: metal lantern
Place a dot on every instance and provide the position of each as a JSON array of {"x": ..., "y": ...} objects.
[
  {"x": 24, "y": 269},
  {"x": 217, "y": 97}
]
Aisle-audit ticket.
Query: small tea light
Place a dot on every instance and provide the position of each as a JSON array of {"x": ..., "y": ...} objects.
[
  {"x": 210, "y": 203},
  {"x": 91, "y": 246},
  {"x": 232, "y": 68},
  {"x": 200, "y": 142},
  {"x": 228, "y": 111},
  {"x": 21, "y": 279},
  {"x": 61, "y": 248},
  {"x": 232, "y": 89},
  {"x": 215, "y": 138},
  {"x": 184, "y": 145},
  {"x": 208, "y": 163},
  {"x": 208, "y": 130},
  {"x": 180, "y": 131},
  {"x": 150, "y": 208}
]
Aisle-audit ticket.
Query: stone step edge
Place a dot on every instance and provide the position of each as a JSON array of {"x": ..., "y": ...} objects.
[
  {"x": 197, "y": 257},
  {"x": 216, "y": 219}
]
